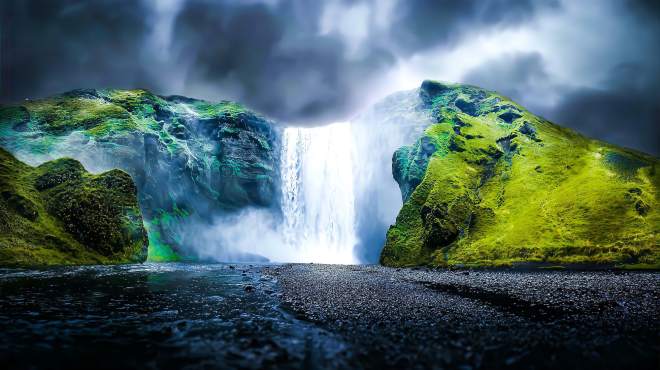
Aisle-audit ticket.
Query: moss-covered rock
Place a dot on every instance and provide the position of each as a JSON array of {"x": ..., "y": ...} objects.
[
  {"x": 58, "y": 213},
  {"x": 492, "y": 184},
  {"x": 189, "y": 158}
]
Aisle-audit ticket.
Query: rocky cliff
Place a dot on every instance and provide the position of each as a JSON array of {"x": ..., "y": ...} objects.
[
  {"x": 58, "y": 213},
  {"x": 190, "y": 159},
  {"x": 489, "y": 183}
]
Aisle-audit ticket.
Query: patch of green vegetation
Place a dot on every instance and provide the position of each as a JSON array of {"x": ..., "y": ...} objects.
[
  {"x": 160, "y": 246},
  {"x": 521, "y": 191},
  {"x": 64, "y": 114},
  {"x": 112, "y": 126},
  {"x": 58, "y": 213},
  {"x": 139, "y": 102}
]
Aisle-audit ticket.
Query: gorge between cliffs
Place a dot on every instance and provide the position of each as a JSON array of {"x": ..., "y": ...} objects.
[
  {"x": 443, "y": 227},
  {"x": 481, "y": 181}
]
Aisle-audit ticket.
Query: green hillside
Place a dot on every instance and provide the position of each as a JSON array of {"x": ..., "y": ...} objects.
[
  {"x": 58, "y": 213},
  {"x": 492, "y": 184}
]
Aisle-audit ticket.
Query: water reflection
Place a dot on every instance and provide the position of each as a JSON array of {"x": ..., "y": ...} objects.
[{"x": 154, "y": 316}]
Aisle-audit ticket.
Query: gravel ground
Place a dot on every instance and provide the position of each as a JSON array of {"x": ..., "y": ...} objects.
[{"x": 418, "y": 318}]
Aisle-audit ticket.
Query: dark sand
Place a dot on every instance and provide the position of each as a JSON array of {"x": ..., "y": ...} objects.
[{"x": 418, "y": 318}]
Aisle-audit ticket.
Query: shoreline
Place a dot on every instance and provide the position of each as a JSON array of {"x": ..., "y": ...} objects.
[{"x": 517, "y": 266}]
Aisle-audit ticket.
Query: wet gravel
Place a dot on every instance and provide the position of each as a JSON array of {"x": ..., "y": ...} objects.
[{"x": 418, "y": 318}]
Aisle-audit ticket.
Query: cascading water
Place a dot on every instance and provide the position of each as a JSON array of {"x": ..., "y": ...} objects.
[
  {"x": 338, "y": 196},
  {"x": 318, "y": 200}
]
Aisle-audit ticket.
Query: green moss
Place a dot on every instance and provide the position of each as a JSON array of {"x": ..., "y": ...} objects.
[
  {"x": 14, "y": 117},
  {"x": 499, "y": 194},
  {"x": 161, "y": 248},
  {"x": 159, "y": 251},
  {"x": 112, "y": 126},
  {"x": 58, "y": 213},
  {"x": 65, "y": 114}
]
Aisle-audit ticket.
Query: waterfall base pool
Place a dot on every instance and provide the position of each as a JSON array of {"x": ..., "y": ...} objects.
[{"x": 165, "y": 316}]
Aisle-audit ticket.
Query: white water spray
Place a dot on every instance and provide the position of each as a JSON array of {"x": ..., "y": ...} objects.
[
  {"x": 318, "y": 200},
  {"x": 338, "y": 195}
]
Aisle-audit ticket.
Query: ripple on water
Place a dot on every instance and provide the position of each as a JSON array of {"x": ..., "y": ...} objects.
[{"x": 165, "y": 315}]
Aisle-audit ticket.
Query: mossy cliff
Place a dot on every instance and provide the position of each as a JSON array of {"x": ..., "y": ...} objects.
[
  {"x": 492, "y": 184},
  {"x": 58, "y": 213},
  {"x": 191, "y": 159}
]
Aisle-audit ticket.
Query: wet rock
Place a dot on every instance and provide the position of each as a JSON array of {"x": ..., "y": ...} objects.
[
  {"x": 467, "y": 107},
  {"x": 409, "y": 164},
  {"x": 509, "y": 117},
  {"x": 528, "y": 130},
  {"x": 180, "y": 131}
]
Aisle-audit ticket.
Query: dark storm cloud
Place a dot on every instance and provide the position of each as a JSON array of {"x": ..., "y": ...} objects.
[
  {"x": 52, "y": 46},
  {"x": 281, "y": 58},
  {"x": 513, "y": 75},
  {"x": 650, "y": 8},
  {"x": 622, "y": 107},
  {"x": 422, "y": 23},
  {"x": 625, "y": 110},
  {"x": 270, "y": 55},
  {"x": 273, "y": 58}
]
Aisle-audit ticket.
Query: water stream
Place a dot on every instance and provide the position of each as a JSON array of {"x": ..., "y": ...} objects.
[{"x": 154, "y": 316}]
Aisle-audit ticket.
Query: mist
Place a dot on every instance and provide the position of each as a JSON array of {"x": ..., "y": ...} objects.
[{"x": 338, "y": 196}]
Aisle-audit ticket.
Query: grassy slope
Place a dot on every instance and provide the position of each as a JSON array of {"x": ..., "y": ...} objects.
[
  {"x": 550, "y": 195},
  {"x": 58, "y": 213}
]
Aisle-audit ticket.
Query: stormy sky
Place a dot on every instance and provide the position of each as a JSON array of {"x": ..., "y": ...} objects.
[{"x": 593, "y": 65}]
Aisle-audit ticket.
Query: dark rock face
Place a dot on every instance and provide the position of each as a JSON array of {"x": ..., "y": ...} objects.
[
  {"x": 430, "y": 89},
  {"x": 509, "y": 117},
  {"x": 189, "y": 158},
  {"x": 506, "y": 145},
  {"x": 59, "y": 213},
  {"x": 528, "y": 130},
  {"x": 409, "y": 164},
  {"x": 467, "y": 107}
]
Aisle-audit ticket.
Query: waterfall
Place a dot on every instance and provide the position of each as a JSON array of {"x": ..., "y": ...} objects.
[
  {"x": 318, "y": 199},
  {"x": 337, "y": 193}
]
